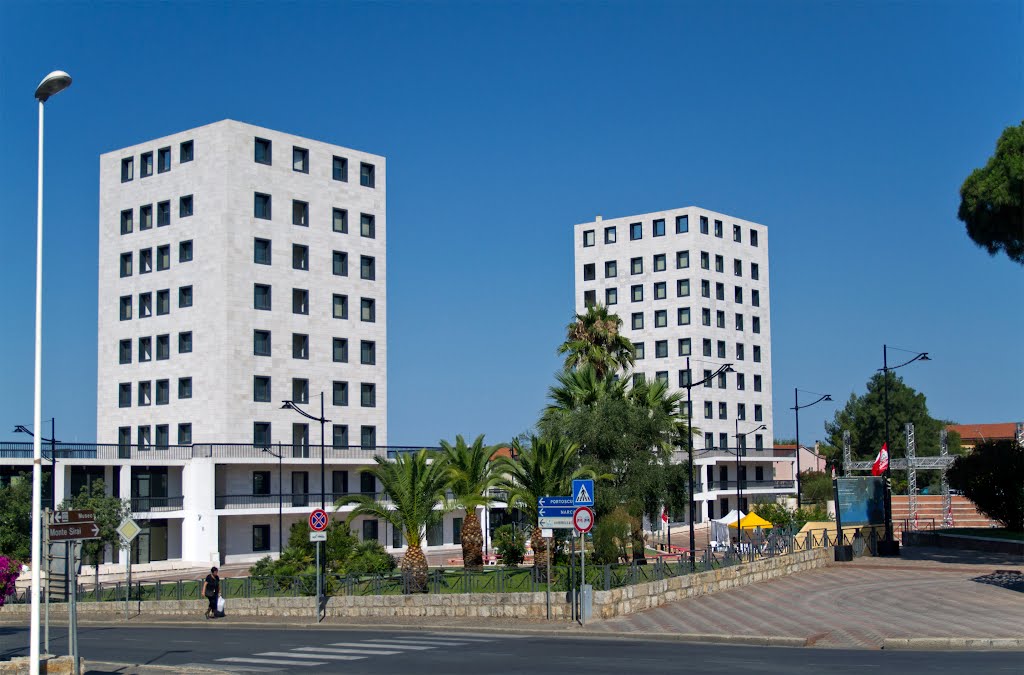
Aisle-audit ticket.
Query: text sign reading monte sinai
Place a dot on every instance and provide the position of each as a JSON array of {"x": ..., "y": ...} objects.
[
  {"x": 583, "y": 492},
  {"x": 74, "y": 531}
]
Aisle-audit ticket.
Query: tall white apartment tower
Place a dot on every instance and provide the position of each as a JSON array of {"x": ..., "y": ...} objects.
[
  {"x": 693, "y": 284},
  {"x": 239, "y": 268}
]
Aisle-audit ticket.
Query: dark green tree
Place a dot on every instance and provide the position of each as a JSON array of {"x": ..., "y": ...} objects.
[
  {"x": 16, "y": 518},
  {"x": 595, "y": 339},
  {"x": 992, "y": 476},
  {"x": 110, "y": 512},
  {"x": 816, "y": 487},
  {"x": 992, "y": 198}
]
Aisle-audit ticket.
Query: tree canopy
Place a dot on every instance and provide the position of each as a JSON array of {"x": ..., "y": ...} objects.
[
  {"x": 16, "y": 518},
  {"x": 595, "y": 339},
  {"x": 992, "y": 198},
  {"x": 992, "y": 476}
]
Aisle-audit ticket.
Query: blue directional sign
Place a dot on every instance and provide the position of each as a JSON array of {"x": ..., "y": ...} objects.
[
  {"x": 583, "y": 492},
  {"x": 554, "y": 501},
  {"x": 556, "y": 511}
]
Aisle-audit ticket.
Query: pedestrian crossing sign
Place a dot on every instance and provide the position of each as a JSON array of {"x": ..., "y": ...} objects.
[{"x": 583, "y": 492}]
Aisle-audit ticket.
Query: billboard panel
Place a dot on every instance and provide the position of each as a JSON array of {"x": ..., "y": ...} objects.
[{"x": 861, "y": 500}]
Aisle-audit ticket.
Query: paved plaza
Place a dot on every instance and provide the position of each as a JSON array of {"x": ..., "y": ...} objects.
[{"x": 924, "y": 593}]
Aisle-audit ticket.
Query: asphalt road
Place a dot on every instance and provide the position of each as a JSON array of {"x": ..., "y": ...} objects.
[{"x": 328, "y": 650}]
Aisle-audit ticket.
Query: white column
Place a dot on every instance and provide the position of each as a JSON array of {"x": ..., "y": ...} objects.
[
  {"x": 124, "y": 492},
  {"x": 199, "y": 528}
]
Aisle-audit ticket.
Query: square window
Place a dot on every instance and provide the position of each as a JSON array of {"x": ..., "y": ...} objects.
[
  {"x": 721, "y": 349},
  {"x": 682, "y": 224},
  {"x": 705, "y": 288},
  {"x": 145, "y": 305},
  {"x": 367, "y": 226},
  {"x": 705, "y": 316},
  {"x": 261, "y": 296},
  {"x": 163, "y": 160},
  {"x": 685, "y": 379},
  {"x": 261, "y": 206},
  {"x": 719, "y": 291},
  {"x": 707, "y": 347},
  {"x": 739, "y": 322},
  {"x": 658, "y": 228},
  {"x": 125, "y": 307},
  {"x": 737, "y": 295},
  {"x": 741, "y": 382},
  {"x": 145, "y": 217},
  {"x": 339, "y": 436},
  {"x": 124, "y": 351},
  {"x": 339, "y": 306},
  {"x": 261, "y": 389},
  {"x": 757, "y": 383},
  {"x": 661, "y": 349},
  {"x": 145, "y": 261},
  {"x": 367, "y": 175},
  {"x": 367, "y": 352},
  {"x": 705, "y": 260},
  {"x": 300, "y": 257},
  {"x": 124, "y": 395},
  {"x": 638, "y": 351},
  {"x": 368, "y": 441},
  {"x": 185, "y": 206},
  {"x": 753, "y": 237},
  {"x": 261, "y": 251},
  {"x": 300, "y": 390},
  {"x": 261, "y": 342},
  {"x": 637, "y": 293},
  {"x": 186, "y": 152},
  {"x": 339, "y": 220},
  {"x": 589, "y": 298},
  {"x": 184, "y": 387},
  {"x": 720, "y": 319},
  {"x": 300, "y": 346},
  {"x": 755, "y": 271},
  {"x": 367, "y": 267},
  {"x": 185, "y": 296},
  {"x": 660, "y": 318},
  {"x": 611, "y": 269},
  {"x": 757, "y": 354},
  {"x": 163, "y": 302},
  {"x": 638, "y": 320},
  {"x": 300, "y": 301},
  {"x": 126, "y": 221},
  {"x": 261, "y": 433},
  {"x": 339, "y": 168},
  {"x": 758, "y": 413},
  {"x": 263, "y": 148},
  {"x": 126, "y": 265},
  {"x": 185, "y": 251},
  {"x": 163, "y": 257},
  {"x": 755, "y": 298},
  {"x": 636, "y": 231},
  {"x": 260, "y": 538},
  {"x": 682, "y": 288},
  {"x": 588, "y": 238},
  {"x": 703, "y": 224},
  {"x": 709, "y": 410},
  {"x": 185, "y": 342},
  {"x": 707, "y": 379},
  {"x": 367, "y": 310},
  {"x": 756, "y": 324},
  {"x": 300, "y": 213},
  {"x": 739, "y": 351},
  {"x": 662, "y": 376},
  {"x": 682, "y": 260},
  {"x": 737, "y": 268},
  {"x": 339, "y": 393},
  {"x": 300, "y": 159},
  {"x": 146, "y": 165},
  {"x": 163, "y": 392},
  {"x": 609, "y": 235},
  {"x": 659, "y": 262},
  {"x": 636, "y": 266},
  {"x": 718, "y": 229},
  {"x": 723, "y": 414},
  {"x": 684, "y": 346},
  {"x": 145, "y": 393},
  {"x": 611, "y": 296},
  {"x": 339, "y": 350},
  {"x": 660, "y": 290},
  {"x": 367, "y": 395},
  {"x": 737, "y": 233},
  {"x": 683, "y": 316},
  {"x": 589, "y": 272},
  {"x": 719, "y": 264},
  {"x": 127, "y": 169},
  {"x": 339, "y": 263}
]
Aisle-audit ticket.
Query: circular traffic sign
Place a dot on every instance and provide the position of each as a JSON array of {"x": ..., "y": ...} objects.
[
  {"x": 318, "y": 520},
  {"x": 583, "y": 519}
]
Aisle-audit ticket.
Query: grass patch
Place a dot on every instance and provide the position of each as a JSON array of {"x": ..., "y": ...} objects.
[{"x": 991, "y": 532}]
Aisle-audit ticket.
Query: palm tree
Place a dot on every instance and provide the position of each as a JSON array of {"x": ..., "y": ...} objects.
[
  {"x": 414, "y": 487},
  {"x": 470, "y": 474},
  {"x": 582, "y": 386},
  {"x": 594, "y": 338},
  {"x": 544, "y": 468}
]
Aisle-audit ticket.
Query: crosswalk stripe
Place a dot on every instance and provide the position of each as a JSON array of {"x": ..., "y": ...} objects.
[
  {"x": 420, "y": 641},
  {"x": 333, "y": 657},
  {"x": 445, "y": 638},
  {"x": 490, "y": 636},
  {"x": 278, "y": 662},
  {"x": 240, "y": 669},
  {"x": 385, "y": 644},
  {"x": 372, "y": 651}
]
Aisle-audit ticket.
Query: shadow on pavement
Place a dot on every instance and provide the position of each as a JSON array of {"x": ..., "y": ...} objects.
[
  {"x": 959, "y": 556},
  {"x": 1013, "y": 581}
]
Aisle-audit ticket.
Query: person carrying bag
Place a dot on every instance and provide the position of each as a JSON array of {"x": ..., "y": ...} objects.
[{"x": 211, "y": 590}]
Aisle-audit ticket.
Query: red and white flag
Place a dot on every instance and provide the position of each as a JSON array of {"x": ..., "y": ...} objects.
[
  {"x": 881, "y": 462},
  {"x": 664, "y": 515}
]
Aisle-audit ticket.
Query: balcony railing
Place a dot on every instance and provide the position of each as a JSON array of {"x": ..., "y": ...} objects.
[
  {"x": 287, "y": 499},
  {"x": 751, "y": 485},
  {"x": 157, "y": 453},
  {"x": 150, "y": 504}
]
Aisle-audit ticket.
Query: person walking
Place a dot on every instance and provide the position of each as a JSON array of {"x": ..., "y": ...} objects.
[{"x": 211, "y": 589}]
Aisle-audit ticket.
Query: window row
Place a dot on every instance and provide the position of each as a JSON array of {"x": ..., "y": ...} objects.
[
  {"x": 263, "y": 210},
  {"x": 152, "y": 392},
  {"x": 683, "y": 317},
  {"x": 262, "y": 255},
  {"x": 186, "y": 207},
  {"x": 186, "y": 252},
  {"x": 659, "y": 263},
  {"x": 723, "y": 411},
  {"x": 724, "y": 444},
  {"x": 684, "y": 347},
  {"x": 263, "y": 300},
  {"x": 163, "y": 303},
  {"x": 262, "y": 344},
  {"x": 264, "y": 154},
  {"x": 685, "y": 379},
  {"x": 682, "y": 226},
  {"x": 161, "y": 438},
  {"x": 261, "y": 388},
  {"x": 682, "y": 290},
  {"x": 261, "y": 435},
  {"x": 146, "y": 345},
  {"x": 186, "y": 153}
]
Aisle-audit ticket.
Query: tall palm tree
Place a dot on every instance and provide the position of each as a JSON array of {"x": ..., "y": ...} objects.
[
  {"x": 470, "y": 474},
  {"x": 414, "y": 487},
  {"x": 582, "y": 386},
  {"x": 594, "y": 338},
  {"x": 544, "y": 468}
]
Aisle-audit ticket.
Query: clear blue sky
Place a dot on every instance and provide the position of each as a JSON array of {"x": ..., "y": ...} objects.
[{"x": 846, "y": 128}]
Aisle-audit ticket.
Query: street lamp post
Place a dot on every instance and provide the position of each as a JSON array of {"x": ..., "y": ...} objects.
[
  {"x": 890, "y": 547},
  {"x": 280, "y": 499},
  {"x": 739, "y": 489},
  {"x": 22, "y": 429},
  {"x": 323, "y": 473},
  {"x": 796, "y": 410},
  {"x": 690, "y": 384},
  {"x": 54, "y": 83}
]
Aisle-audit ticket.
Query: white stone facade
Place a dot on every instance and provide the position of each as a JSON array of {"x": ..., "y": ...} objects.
[{"x": 692, "y": 283}]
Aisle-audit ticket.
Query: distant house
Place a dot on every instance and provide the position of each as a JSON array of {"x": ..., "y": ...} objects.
[{"x": 972, "y": 434}]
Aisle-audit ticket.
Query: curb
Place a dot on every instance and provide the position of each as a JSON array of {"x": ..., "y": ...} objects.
[
  {"x": 953, "y": 643},
  {"x": 144, "y": 669}
]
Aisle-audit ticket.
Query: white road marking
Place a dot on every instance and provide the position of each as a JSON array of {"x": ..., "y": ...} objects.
[
  {"x": 293, "y": 655},
  {"x": 372, "y": 651},
  {"x": 433, "y": 643},
  {"x": 278, "y": 662},
  {"x": 384, "y": 644},
  {"x": 491, "y": 636}
]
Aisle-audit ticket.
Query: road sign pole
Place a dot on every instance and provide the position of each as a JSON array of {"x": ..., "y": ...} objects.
[
  {"x": 572, "y": 578},
  {"x": 318, "y": 582},
  {"x": 46, "y": 583},
  {"x": 583, "y": 575},
  {"x": 73, "y": 618}
]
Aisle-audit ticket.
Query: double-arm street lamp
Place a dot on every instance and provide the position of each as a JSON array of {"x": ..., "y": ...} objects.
[
  {"x": 740, "y": 446},
  {"x": 796, "y": 410},
  {"x": 22, "y": 429},
  {"x": 52, "y": 84},
  {"x": 290, "y": 405},
  {"x": 280, "y": 499},
  {"x": 890, "y": 547},
  {"x": 690, "y": 384}
]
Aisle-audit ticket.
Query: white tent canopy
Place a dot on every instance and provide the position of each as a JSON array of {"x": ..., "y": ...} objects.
[{"x": 720, "y": 527}]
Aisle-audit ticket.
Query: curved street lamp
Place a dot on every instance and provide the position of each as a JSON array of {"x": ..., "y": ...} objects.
[
  {"x": 796, "y": 410},
  {"x": 290, "y": 405},
  {"x": 52, "y": 440}
]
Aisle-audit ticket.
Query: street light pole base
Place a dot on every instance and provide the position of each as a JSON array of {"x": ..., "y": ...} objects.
[
  {"x": 888, "y": 549},
  {"x": 844, "y": 553}
]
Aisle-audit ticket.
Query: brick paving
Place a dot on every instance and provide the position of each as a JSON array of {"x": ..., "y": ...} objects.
[{"x": 923, "y": 593}]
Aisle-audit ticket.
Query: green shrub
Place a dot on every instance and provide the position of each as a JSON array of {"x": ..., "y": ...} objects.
[
  {"x": 992, "y": 477},
  {"x": 610, "y": 536},
  {"x": 510, "y": 543}
]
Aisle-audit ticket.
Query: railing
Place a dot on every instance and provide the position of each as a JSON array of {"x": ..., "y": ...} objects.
[
  {"x": 157, "y": 453},
  {"x": 915, "y": 524},
  {"x": 287, "y": 499},
  {"x": 751, "y": 485},
  {"x": 150, "y": 504}
]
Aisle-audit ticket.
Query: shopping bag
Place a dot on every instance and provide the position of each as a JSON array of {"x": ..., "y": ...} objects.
[{"x": 220, "y": 604}]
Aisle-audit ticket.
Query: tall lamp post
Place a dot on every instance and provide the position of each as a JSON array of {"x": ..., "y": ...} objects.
[
  {"x": 280, "y": 499},
  {"x": 739, "y": 490},
  {"x": 290, "y": 405},
  {"x": 889, "y": 546},
  {"x": 690, "y": 384},
  {"x": 796, "y": 410},
  {"x": 22, "y": 429},
  {"x": 54, "y": 83}
]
